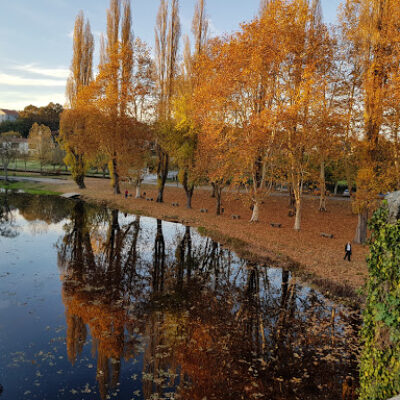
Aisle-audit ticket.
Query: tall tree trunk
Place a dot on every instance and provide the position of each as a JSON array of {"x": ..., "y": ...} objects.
[
  {"x": 348, "y": 176},
  {"x": 218, "y": 194},
  {"x": 189, "y": 189},
  {"x": 213, "y": 190},
  {"x": 78, "y": 170},
  {"x": 256, "y": 211},
  {"x": 397, "y": 169},
  {"x": 80, "y": 181},
  {"x": 297, "y": 183},
  {"x": 361, "y": 231},
  {"x": 258, "y": 186},
  {"x": 189, "y": 195},
  {"x": 292, "y": 199},
  {"x": 162, "y": 173},
  {"x": 322, "y": 186},
  {"x": 116, "y": 187},
  {"x": 297, "y": 223},
  {"x": 138, "y": 195},
  {"x": 336, "y": 188}
]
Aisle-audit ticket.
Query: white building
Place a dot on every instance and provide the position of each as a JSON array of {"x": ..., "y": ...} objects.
[
  {"x": 8, "y": 115},
  {"x": 20, "y": 145}
]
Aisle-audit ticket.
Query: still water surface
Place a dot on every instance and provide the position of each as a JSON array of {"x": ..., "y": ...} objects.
[{"x": 97, "y": 304}]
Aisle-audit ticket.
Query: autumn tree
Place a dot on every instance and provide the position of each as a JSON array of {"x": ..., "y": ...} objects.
[
  {"x": 114, "y": 100},
  {"x": 267, "y": 74},
  {"x": 392, "y": 120},
  {"x": 142, "y": 109},
  {"x": 185, "y": 137},
  {"x": 238, "y": 107},
  {"x": 299, "y": 69},
  {"x": 7, "y": 151},
  {"x": 371, "y": 27},
  {"x": 41, "y": 143},
  {"x": 256, "y": 105},
  {"x": 167, "y": 33},
  {"x": 47, "y": 115},
  {"x": 350, "y": 78},
  {"x": 256, "y": 96},
  {"x": 57, "y": 155},
  {"x": 325, "y": 107},
  {"x": 73, "y": 134},
  {"x": 217, "y": 135},
  {"x": 143, "y": 81},
  {"x": 112, "y": 87},
  {"x": 100, "y": 162},
  {"x": 24, "y": 156}
]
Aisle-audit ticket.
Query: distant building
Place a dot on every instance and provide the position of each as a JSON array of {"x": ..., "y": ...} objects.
[
  {"x": 8, "y": 115},
  {"x": 21, "y": 145}
]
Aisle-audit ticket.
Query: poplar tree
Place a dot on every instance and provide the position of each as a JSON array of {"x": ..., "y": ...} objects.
[
  {"x": 41, "y": 142},
  {"x": 200, "y": 26},
  {"x": 372, "y": 27},
  {"x": 325, "y": 111},
  {"x": 112, "y": 95},
  {"x": 299, "y": 71},
  {"x": 167, "y": 34},
  {"x": 185, "y": 136},
  {"x": 112, "y": 91},
  {"x": 7, "y": 152},
  {"x": 72, "y": 124}
]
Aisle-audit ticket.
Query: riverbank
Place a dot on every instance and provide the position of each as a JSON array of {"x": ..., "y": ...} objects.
[
  {"x": 315, "y": 258},
  {"x": 31, "y": 187}
]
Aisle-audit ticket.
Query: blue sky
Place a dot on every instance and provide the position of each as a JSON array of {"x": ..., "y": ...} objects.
[{"x": 36, "y": 39}]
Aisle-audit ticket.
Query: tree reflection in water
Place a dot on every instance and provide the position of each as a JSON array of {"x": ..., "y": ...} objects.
[
  {"x": 208, "y": 324},
  {"x": 45, "y": 209},
  {"x": 8, "y": 228}
]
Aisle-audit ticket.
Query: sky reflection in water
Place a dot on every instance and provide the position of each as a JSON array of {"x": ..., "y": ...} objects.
[{"x": 95, "y": 304}]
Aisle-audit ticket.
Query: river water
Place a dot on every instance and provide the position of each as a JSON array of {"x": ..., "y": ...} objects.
[{"x": 97, "y": 304}]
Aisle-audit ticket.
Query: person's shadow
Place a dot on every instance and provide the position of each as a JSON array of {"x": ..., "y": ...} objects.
[{"x": 1, "y": 389}]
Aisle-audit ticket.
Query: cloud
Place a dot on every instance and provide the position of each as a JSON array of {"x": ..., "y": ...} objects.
[
  {"x": 60, "y": 73},
  {"x": 13, "y": 80},
  {"x": 19, "y": 100}
]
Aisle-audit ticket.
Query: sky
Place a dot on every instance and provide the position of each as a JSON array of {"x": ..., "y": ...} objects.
[{"x": 36, "y": 39}]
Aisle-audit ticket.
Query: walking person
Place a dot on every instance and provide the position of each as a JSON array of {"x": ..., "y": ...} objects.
[{"x": 347, "y": 249}]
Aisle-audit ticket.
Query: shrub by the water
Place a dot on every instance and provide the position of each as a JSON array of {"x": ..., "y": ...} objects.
[{"x": 380, "y": 335}]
